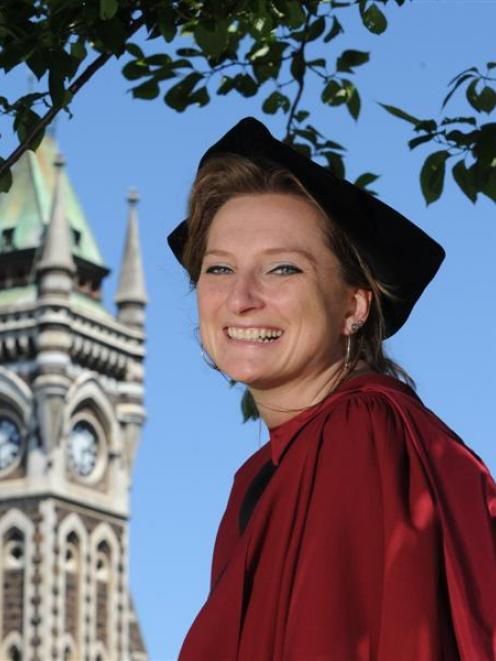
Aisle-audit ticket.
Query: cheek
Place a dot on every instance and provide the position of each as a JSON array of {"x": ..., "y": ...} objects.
[
  {"x": 325, "y": 313},
  {"x": 208, "y": 299}
]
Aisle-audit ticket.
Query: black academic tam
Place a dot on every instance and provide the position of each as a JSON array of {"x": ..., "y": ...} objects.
[{"x": 398, "y": 252}]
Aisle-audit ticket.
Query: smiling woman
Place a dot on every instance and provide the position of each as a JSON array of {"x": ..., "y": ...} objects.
[
  {"x": 360, "y": 531},
  {"x": 252, "y": 281}
]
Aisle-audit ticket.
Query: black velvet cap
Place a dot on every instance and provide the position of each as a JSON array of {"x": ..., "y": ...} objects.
[{"x": 398, "y": 252}]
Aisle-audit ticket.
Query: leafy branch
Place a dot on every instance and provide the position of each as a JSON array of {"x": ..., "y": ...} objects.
[
  {"x": 236, "y": 45},
  {"x": 466, "y": 142}
]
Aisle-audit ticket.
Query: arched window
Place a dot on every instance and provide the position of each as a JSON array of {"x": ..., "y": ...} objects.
[
  {"x": 14, "y": 653},
  {"x": 13, "y": 549},
  {"x": 71, "y": 558},
  {"x": 102, "y": 562},
  {"x": 72, "y": 593}
]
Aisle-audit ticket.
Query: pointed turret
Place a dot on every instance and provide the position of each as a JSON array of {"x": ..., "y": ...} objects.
[
  {"x": 131, "y": 296},
  {"x": 56, "y": 267}
]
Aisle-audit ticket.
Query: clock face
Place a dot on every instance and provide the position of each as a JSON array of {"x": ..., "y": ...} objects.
[
  {"x": 83, "y": 448},
  {"x": 10, "y": 442}
]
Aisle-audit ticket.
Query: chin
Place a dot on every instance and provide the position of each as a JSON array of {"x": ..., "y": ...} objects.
[{"x": 250, "y": 375}]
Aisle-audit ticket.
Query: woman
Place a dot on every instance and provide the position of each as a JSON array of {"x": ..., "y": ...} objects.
[{"x": 364, "y": 529}]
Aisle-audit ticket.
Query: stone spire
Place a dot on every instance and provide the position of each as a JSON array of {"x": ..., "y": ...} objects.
[
  {"x": 56, "y": 249},
  {"x": 131, "y": 294}
]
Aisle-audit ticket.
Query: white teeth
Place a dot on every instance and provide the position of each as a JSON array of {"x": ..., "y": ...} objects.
[{"x": 254, "y": 334}]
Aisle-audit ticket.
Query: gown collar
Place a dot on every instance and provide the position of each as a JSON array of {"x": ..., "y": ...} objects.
[{"x": 281, "y": 435}]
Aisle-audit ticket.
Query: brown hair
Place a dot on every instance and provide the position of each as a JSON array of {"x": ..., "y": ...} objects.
[{"x": 225, "y": 176}]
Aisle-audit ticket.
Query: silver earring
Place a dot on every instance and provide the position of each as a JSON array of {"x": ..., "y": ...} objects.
[
  {"x": 347, "y": 355},
  {"x": 356, "y": 325}
]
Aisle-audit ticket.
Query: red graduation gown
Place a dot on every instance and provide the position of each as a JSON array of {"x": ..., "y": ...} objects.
[{"x": 374, "y": 540}]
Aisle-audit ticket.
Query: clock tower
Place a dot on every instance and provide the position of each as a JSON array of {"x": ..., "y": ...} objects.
[{"x": 71, "y": 414}]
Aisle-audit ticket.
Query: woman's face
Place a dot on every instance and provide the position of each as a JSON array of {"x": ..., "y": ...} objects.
[{"x": 273, "y": 306}]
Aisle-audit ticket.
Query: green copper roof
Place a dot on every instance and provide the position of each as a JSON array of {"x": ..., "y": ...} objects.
[{"x": 26, "y": 208}]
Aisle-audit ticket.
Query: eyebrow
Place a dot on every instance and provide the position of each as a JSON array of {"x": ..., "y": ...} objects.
[{"x": 269, "y": 251}]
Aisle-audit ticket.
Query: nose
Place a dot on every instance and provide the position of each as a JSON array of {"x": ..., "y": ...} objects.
[{"x": 244, "y": 294}]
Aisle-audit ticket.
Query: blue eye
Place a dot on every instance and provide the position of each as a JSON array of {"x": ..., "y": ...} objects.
[
  {"x": 218, "y": 269},
  {"x": 286, "y": 269}
]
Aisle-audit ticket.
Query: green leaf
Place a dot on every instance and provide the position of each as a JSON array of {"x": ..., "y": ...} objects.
[
  {"x": 401, "y": 114},
  {"x": 459, "y": 120},
  {"x": 487, "y": 99},
  {"x": 5, "y": 177},
  {"x": 226, "y": 85},
  {"x": 484, "y": 149},
  {"x": 37, "y": 62},
  {"x": 78, "y": 50},
  {"x": 350, "y": 59},
  {"x": 245, "y": 84},
  {"x": 200, "y": 97},
  {"x": 297, "y": 66},
  {"x": 309, "y": 135},
  {"x": 56, "y": 86},
  {"x": 248, "y": 407},
  {"x": 111, "y": 35},
  {"x": 301, "y": 115},
  {"x": 108, "y": 9},
  {"x": 415, "y": 142},
  {"x": 474, "y": 70},
  {"x": 212, "y": 37},
  {"x": 366, "y": 179},
  {"x": 463, "y": 178},
  {"x": 428, "y": 125},
  {"x": 267, "y": 60},
  {"x": 294, "y": 14},
  {"x": 373, "y": 19},
  {"x": 159, "y": 60},
  {"x": 459, "y": 82},
  {"x": 167, "y": 22},
  {"x": 472, "y": 96},
  {"x": 178, "y": 96},
  {"x": 483, "y": 101},
  {"x": 353, "y": 104},
  {"x": 135, "y": 51},
  {"x": 25, "y": 122},
  {"x": 306, "y": 150},
  {"x": 189, "y": 52},
  {"x": 135, "y": 70},
  {"x": 36, "y": 141},
  {"x": 432, "y": 175},
  {"x": 489, "y": 188},
  {"x": 335, "y": 163},
  {"x": 462, "y": 139},
  {"x": 336, "y": 29},
  {"x": 148, "y": 90},
  {"x": 334, "y": 94},
  {"x": 319, "y": 62},
  {"x": 276, "y": 101},
  {"x": 315, "y": 29}
]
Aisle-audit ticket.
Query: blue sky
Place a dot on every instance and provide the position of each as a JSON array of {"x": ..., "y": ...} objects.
[{"x": 194, "y": 440}]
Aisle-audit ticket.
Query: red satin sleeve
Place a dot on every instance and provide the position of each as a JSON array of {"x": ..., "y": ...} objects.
[{"x": 369, "y": 583}]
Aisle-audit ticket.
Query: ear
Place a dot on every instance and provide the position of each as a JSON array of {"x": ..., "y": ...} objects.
[{"x": 358, "y": 310}]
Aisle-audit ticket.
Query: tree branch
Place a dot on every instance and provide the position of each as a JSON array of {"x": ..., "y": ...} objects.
[
  {"x": 73, "y": 88},
  {"x": 301, "y": 82}
]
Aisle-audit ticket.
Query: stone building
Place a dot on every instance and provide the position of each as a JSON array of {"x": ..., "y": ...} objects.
[{"x": 71, "y": 414}]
